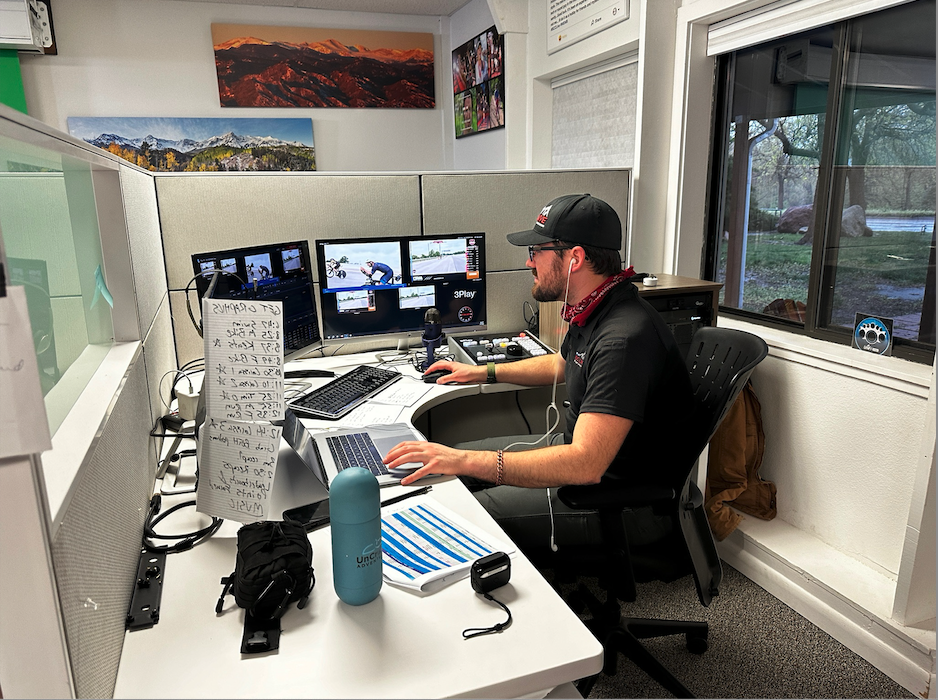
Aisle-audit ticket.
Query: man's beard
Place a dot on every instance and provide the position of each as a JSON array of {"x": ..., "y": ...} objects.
[{"x": 550, "y": 289}]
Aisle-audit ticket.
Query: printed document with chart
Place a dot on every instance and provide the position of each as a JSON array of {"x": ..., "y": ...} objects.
[{"x": 426, "y": 546}]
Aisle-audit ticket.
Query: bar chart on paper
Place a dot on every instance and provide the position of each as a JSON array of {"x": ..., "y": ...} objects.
[{"x": 425, "y": 546}]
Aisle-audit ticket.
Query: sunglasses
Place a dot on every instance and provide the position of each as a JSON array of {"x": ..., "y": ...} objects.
[{"x": 534, "y": 250}]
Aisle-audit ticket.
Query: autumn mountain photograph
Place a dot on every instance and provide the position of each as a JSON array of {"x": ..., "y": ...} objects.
[
  {"x": 206, "y": 144},
  {"x": 261, "y": 66}
]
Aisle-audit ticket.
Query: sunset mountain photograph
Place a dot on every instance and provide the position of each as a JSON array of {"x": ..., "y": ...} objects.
[{"x": 260, "y": 66}]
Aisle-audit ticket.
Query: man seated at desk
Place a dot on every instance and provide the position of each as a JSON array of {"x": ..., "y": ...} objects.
[{"x": 626, "y": 381}]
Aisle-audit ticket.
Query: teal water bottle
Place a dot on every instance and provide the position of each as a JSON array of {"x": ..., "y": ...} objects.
[{"x": 355, "y": 514}]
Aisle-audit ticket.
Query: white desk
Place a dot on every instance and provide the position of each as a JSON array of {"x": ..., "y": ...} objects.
[{"x": 399, "y": 645}]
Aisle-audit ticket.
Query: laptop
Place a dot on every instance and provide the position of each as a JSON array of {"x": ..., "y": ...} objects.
[{"x": 326, "y": 453}]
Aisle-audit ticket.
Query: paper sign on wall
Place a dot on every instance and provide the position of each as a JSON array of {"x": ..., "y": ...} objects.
[
  {"x": 569, "y": 21},
  {"x": 24, "y": 427}
]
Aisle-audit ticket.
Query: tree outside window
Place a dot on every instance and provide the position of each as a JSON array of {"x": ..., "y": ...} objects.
[{"x": 814, "y": 219}]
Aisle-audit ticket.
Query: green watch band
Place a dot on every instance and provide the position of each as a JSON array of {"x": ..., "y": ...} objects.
[{"x": 490, "y": 377}]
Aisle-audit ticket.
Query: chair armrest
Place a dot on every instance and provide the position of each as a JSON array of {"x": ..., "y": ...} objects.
[{"x": 613, "y": 494}]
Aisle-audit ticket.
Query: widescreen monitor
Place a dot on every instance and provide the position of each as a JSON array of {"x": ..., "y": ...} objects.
[
  {"x": 275, "y": 272},
  {"x": 383, "y": 286}
]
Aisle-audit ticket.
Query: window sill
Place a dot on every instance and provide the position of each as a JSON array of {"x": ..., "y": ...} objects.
[
  {"x": 76, "y": 438},
  {"x": 902, "y": 375}
]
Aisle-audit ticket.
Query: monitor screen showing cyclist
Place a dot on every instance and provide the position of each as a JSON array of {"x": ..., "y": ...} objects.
[
  {"x": 384, "y": 286},
  {"x": 275, "y": 272}
]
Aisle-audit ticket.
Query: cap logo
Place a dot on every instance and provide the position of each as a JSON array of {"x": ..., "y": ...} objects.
[{"x": 542, "y": 217}]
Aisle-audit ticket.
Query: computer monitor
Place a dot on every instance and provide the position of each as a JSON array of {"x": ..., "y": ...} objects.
[
  {"x": 383, "y": 286},
  {"x": 275, "y": 272}
]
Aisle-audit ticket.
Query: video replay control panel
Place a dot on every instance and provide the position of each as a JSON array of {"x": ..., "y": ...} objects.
[{"x": 479, "y": 350}]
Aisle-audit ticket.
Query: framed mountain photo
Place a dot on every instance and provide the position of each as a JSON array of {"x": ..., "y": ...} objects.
[
  {"x": 261, "y": 66},
  {"x": 183, "y": 144}
]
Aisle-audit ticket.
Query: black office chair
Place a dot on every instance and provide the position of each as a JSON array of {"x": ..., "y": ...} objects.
[{"x": 719, "y": 361}]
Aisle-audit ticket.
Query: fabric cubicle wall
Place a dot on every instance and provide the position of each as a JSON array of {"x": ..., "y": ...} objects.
[
  {"x": 215, "y": 212},
  {"x": 219, "y": 211}
]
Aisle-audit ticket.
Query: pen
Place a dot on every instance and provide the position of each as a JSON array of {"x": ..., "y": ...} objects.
[
  {"x": 323, "y": 520},
  {"x": 405, "y": 496}
]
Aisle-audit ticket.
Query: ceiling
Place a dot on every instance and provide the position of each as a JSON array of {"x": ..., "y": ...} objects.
[{"x": 439, "y": 8}]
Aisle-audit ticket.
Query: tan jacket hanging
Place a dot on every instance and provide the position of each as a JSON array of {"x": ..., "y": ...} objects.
[{"x": 736, "y": 452}]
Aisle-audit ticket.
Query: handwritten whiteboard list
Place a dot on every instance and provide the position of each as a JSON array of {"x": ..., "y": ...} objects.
[
  {"x": 243, "y": 359},
  {"x": 236, "y": 469}
]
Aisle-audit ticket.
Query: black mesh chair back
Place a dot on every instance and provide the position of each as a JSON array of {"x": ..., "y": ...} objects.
[{"x": 719, "y": 362}]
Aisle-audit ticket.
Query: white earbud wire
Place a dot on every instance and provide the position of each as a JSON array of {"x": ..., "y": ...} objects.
[{"x": 551, "y": 407}]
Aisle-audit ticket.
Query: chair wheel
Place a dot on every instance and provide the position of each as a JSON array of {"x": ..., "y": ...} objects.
[{"x": 696, "y": 645}]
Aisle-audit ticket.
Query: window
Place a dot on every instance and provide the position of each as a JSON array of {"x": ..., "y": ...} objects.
[
  {"x": 822, "y": 196},
  {"x": 49, "y": 224}
]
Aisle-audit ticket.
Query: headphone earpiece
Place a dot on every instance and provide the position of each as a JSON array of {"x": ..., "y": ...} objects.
[{"x": 570, "y": 269}]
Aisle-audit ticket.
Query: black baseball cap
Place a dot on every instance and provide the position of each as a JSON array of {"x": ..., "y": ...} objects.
[{"x": 580, "y": 219}]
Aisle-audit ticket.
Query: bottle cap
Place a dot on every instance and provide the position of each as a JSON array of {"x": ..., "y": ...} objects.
[{"x": 354, "y": 496}]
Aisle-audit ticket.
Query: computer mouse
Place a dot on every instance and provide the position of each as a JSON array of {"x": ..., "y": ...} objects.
[{"x": 431, "y": 377}]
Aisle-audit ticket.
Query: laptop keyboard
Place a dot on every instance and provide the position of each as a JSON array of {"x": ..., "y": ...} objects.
[{"x": 356, "y": 450}]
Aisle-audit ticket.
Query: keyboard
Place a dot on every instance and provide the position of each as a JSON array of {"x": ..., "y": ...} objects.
[
  {"x": 333, "y": 400},
  {"x": 356, "y": 450}
]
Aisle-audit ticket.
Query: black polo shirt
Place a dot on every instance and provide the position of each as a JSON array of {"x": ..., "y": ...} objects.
[{"x": 625, "y": 362}]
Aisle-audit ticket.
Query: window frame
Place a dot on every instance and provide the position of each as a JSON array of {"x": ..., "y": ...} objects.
[{"x": 822, "y": 269}]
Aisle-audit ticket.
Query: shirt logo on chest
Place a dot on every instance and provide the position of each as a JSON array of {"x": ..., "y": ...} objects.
[{"x": 578, "y": 358}]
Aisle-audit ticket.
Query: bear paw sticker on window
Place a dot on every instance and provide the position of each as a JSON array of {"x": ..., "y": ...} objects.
[{"x": 873, "y": 334}]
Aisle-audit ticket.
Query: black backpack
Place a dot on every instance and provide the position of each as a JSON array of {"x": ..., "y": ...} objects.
[{"x": 273, "y": 569}]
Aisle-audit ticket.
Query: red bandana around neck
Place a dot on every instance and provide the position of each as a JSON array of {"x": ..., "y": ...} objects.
[{"x": 577, "y": 314}]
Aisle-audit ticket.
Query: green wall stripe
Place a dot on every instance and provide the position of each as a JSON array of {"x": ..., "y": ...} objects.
[{"x": 11, "y": 80}]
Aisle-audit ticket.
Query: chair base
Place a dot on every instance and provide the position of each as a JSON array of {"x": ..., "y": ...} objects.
[{"x": 620, "y": 634}]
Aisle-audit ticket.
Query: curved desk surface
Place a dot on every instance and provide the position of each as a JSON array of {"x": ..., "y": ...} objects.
[{"x": 399, "y": 645}]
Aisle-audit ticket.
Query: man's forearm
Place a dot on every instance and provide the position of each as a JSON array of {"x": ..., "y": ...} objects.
[{"x": 533, "y": 371}]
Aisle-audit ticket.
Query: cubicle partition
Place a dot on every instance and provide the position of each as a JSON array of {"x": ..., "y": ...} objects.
[
  {"x": 221, "y": 211},
  {"x": 82, "y": 228},
  {"x": 72, "y": 518},
  {"x": 200, "y": 213}
]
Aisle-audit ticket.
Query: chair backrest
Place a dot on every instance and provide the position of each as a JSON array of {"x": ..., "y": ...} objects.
[{"x": 719, "y": 362}]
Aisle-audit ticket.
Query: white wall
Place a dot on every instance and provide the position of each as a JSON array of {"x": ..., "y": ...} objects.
[
  {"x": 617, "y": 40},
  {"x": 849, "y": 438},
  {"x": 842, "y": 445},
  {"x": 154, "y": 58},
  {"x": 649, "y": 243}
]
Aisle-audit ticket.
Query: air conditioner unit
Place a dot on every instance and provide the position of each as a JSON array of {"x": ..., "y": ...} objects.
[{"x": 25, "y": 26}]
